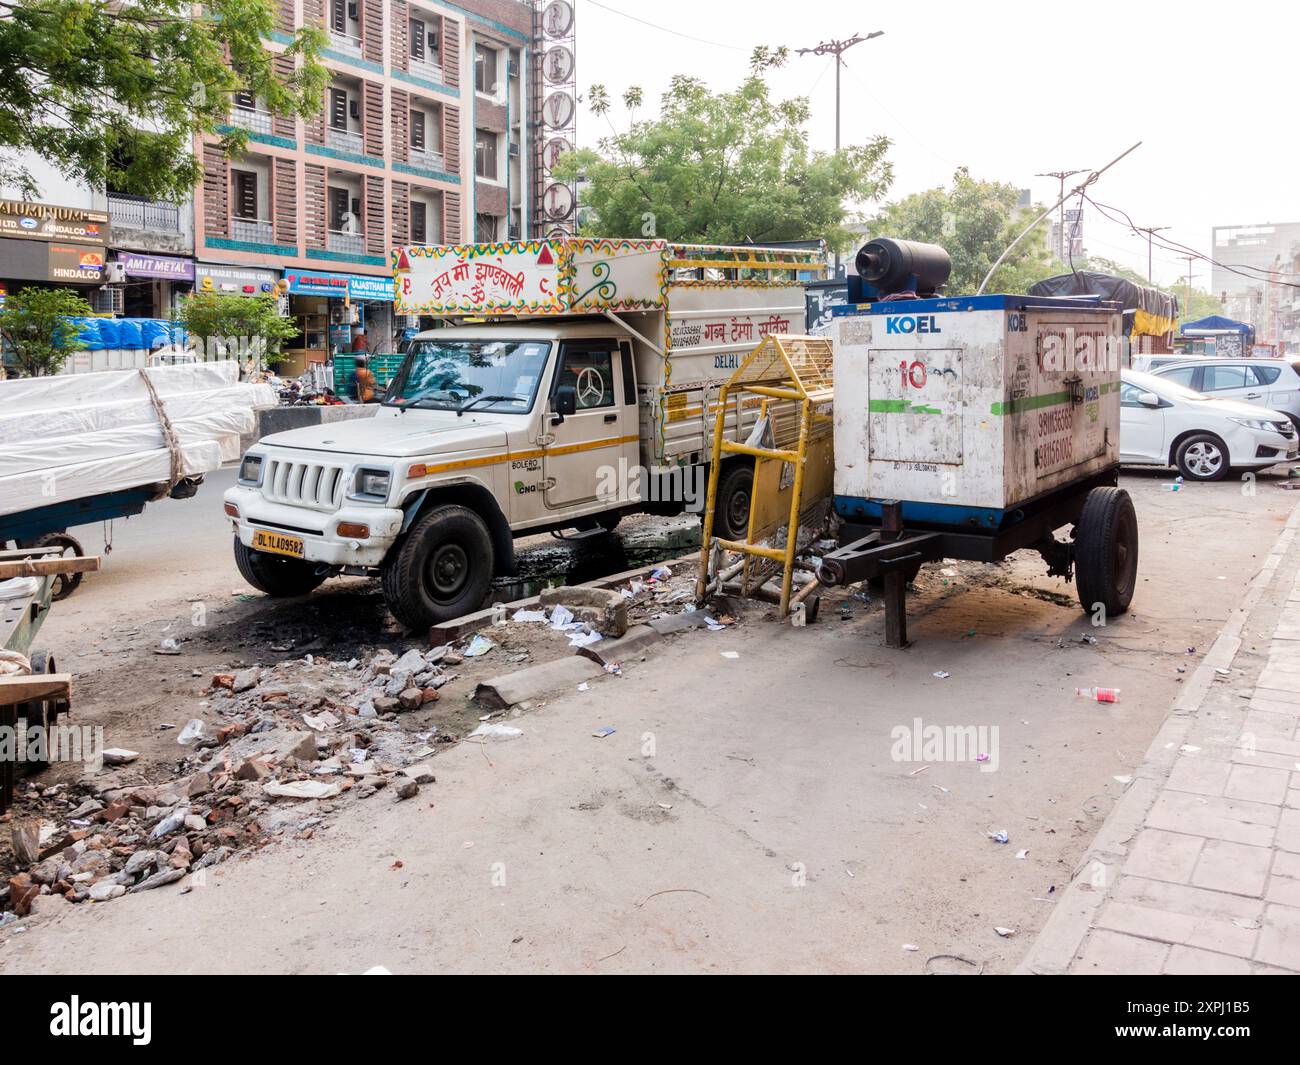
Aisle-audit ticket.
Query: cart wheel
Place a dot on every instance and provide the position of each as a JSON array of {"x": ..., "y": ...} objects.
[
  {"x": 1106, "y": 551},
  {"x": 41, "y": 713},
  {"x": 65, "y": 583}
]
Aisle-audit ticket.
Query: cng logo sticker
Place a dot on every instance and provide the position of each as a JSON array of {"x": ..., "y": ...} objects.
[{"x": 912, "y": 323}]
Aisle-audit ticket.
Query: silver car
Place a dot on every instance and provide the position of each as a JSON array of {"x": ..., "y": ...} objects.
[{"x": 1272, "y": 383}]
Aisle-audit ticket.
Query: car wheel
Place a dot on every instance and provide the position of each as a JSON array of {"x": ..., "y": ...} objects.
[{"x": 1202, "y": 457}]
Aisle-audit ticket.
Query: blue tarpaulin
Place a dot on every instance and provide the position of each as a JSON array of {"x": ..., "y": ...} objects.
[
  {"x": 129, "y": 333},
  {"x": 1216, "y": 323}
]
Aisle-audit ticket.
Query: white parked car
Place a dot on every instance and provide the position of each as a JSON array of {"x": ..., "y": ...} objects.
[{"x": 1162, "y": 423}]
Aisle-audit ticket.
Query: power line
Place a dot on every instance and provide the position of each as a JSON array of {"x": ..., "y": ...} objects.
[
  {"x": 1184, "y": 250},
  {"x": 665, "y": 29}
]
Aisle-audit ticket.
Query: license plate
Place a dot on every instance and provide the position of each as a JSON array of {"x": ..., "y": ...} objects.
[{"x": 278, "y": 543}]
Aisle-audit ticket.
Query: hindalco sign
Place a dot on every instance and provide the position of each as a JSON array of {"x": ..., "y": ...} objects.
[{"x": 21, "y": 220}]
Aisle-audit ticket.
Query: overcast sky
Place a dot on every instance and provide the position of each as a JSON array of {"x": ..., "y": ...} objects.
[{"x": 1012, "y": 88}]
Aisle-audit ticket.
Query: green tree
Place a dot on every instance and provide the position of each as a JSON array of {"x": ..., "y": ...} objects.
[
  {"x": 113, "y": 92},
  {"x": 723, "y": 168},
  {"x": 975, "y": 221},
  {"x": 1194, "y": 303},
  {"x": 35, "y": 329},
  {"x": 232, "y": 326}
]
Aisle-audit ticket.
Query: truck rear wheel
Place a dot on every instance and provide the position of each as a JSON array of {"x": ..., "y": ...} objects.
[
  {"x": 1106, "y": 551},
  {"x": 442, "y": 569},
  {"x": 735, "y": 493},
  {"x": 276, "y": 576}
]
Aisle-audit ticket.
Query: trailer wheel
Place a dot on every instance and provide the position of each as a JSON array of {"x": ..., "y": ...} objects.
[
  {"x": 41, "y": 714},
  {"x": 735, "y": 492},
  {"x": 1106, "y": 551},
  {"x": 65, "y": 583},
  {"x": 279, "y": 577},
  {"x": 441, "y": 570}
]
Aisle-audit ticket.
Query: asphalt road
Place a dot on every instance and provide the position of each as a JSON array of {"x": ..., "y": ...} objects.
[{"x": 749, "y": 813}]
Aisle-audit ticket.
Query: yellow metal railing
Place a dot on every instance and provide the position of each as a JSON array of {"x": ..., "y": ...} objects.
[{"x": 793, "y": 377}]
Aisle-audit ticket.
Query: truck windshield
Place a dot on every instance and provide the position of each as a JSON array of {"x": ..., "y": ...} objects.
[{"x": 448, "y": 374}]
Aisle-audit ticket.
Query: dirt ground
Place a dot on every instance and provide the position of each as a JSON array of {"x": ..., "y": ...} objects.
[{"x": 749, "y": 813}]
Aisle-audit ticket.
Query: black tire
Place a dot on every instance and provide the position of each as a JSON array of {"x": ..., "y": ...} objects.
[
  {"x": 735, "y": 493},
  {"x": 443, "y": 568},
  {"x": 1106, "y": 551},
  {"x": 41, "y": 713},
  {"x": 65, "y": 583},
  {"x": 282, "y": 578},
  {"x": 1202, "y": 457}
]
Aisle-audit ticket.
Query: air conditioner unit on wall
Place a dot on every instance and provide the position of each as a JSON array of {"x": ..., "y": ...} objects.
[
  {"x": 115, "y": 273},
  {"x": 354, "y": 109},
  {"x": 352, "y": 12},
  {"x": 512, "y": 69},
  {"x": 514, "y": 233}
]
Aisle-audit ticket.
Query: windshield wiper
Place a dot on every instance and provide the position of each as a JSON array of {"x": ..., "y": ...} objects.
[{"x": 484, "y": 399}]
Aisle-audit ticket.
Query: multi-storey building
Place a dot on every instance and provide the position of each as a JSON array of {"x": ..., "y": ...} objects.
[{"x": 423, "y": 137}]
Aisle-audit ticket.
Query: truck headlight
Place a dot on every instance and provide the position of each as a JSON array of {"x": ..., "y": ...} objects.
[
  {"x": 250, "y": 470},
  {"x": 373, "y": 484}
]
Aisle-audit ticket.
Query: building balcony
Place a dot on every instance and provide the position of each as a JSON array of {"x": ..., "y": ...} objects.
[
  {"x": 253, "y": 230},
  {"x": 422, "y": 68},
  {"x": 130, "y": 212},
  {"x": 426, "y": 159},
  {"x": 347, "y": 243},
  {"x": 250, "y": 119},
  {"x": 345, "y": 43},
  {"x": 344, "y": 140}
]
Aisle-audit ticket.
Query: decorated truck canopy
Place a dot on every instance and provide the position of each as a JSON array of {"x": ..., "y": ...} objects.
[{"x": 575, "y": 275}]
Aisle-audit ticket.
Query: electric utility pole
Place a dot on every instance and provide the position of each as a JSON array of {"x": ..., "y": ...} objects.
[
  {"x": 837, "y": 49},
  {"x": 1060, "y": 176},
  {"x": 1149, "y": 230}
]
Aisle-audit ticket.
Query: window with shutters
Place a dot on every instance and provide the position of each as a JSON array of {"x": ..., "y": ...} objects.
[
  {"x": 417, "y": 39},
  {"x": 245, "y": 193},
  {"x": 339, "y": 16},
  {"x": 245, "y": 100},
  {"x": 417, "y": 130},
  {"x": 338, "y": 109},
  {"x": 419, "y": 223}
]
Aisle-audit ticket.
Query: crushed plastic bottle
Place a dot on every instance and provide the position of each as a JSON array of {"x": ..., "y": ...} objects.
[{"x": 1101, "y": 695}]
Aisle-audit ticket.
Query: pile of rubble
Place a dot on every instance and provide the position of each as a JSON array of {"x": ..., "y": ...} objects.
[{"x": 294, "y": 741}]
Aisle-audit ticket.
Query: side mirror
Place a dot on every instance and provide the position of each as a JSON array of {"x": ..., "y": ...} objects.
[
  {"x": 1149, "y": 400},
  {"x": 566, "y": 403}
]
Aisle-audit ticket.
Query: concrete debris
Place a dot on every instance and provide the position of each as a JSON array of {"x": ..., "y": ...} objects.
[{"x": 280, "y": 748}]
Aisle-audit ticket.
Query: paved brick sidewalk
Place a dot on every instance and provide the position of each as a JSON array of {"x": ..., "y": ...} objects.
[{"x": 1197, "y": 868}]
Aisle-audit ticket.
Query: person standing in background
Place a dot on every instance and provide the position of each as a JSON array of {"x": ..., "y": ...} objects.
[
  {"x": 359, "y": 342},
  {"x": 363, "y": 382}
]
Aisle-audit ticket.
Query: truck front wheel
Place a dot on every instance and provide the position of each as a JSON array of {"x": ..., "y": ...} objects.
[
  {"x": 442, "y": 570},
  {"x": 276, "y": 576}
]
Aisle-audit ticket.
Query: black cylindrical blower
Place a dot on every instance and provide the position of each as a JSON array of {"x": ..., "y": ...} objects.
[{"x": 891, "y": 266}]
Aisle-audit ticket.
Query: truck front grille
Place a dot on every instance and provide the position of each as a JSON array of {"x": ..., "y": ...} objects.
[{"x": 303, "y": 484}]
